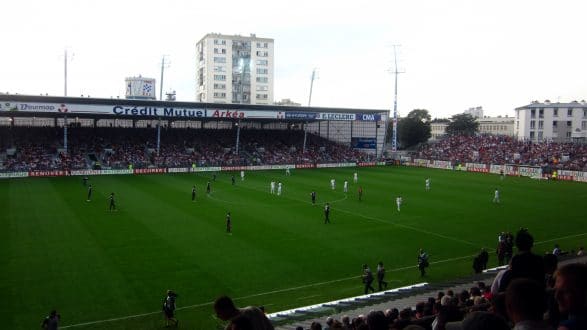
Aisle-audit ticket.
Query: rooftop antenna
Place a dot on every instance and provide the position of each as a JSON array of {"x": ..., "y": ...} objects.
[{"x": 396, "y": 73}]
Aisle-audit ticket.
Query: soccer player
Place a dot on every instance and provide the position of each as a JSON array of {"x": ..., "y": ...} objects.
[
  {"x": 496, "y": 196},
  {"x": 398, "y": 202},
  {"x": 193, "y": 193},
  {"x": 272, "y": 185},
  {"x": 367, "y": 278},
  {"x": 214, "y": 177},
  {"x": 228, "y": 223},
  {"x": 332, "y": 184},
  {"x": 89, "y": 193},
  {"x": 501, "y": 174},
  {"x": 355, "y": 177},
  {"x": 313, "y": 196},
  {"x": 427, "y": 184},
  {"x": 112, "y": 206},
  {"x": 51, "y": 321},
  {"x": 232, "y": 180},
  {"x": 85, "y": 179},
  {"x": 287, "y": 171},
  {"x": 279, "y": 189},
  {"x": 208, "y": 188},
  {"x": 169, "y": 308},
  {"x": 327, "y": 213},
  {"x": 345, "y": 187},
  {"x": 360, "y": 191},
  {"x": 422, "y": 262},
  {"x": 242, "y": 175},
  {"x": 381, "y": 275}
]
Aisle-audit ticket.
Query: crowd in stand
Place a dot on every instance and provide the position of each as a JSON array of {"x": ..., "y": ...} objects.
[
  {"x": 531, "y": 293},
  {"x": 29, "y": 149},
  {"x": 501, "y": 149}
]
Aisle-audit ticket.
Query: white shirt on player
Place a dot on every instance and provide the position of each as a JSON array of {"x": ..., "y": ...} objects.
[
  {"x": 355, "y": 177},
  {"x": 346, "y": 186},
  {"x": 398, "y": 201},
  {"x": 332, "y": 184},
  {"x": 427, "y": 184},
  {"x": 279, "y": 189},
  {"x": 496, "y": 196},
  {"x": 287, "y": 171},
  {"x": 272, "y": 187},
  {"x": 242, "y": 175}
]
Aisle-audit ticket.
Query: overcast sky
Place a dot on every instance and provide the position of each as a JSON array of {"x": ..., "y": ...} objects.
[{"x": 498, "y": 54}]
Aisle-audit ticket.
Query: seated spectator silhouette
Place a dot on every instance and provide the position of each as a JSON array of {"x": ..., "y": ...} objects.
[
  {"x": 524, "y": 264},
  {"x": 525, "y": 302},
  {"x": 227, "y": 311},
  {"x": 571, "y": 294}
]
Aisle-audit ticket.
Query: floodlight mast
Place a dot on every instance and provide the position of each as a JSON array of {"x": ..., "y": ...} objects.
[
  {"x": 394, "y": 137},
  {"x": 309, "y": 103}
]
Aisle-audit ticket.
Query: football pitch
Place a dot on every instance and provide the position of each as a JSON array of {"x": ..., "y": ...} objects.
[{"x": 110, "y": 270}]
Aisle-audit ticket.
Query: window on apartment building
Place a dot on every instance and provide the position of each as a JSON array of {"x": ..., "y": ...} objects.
[
  {"x": 219, "y": 68},
  {"x": 261, "y": 88},
  {"x": 540, "y": 124},
  {"x": 568, "y": 134},
  {"x": 262, "y": 45},
  {"x": 261, "y": 96},
  {"x": 219, "y": 42},
  {"x": 262, "y": 79},
  {"x": 584, "y": 125},
  {"x": 219, "y": 86},
  {"x": 220, "y": 77},
  {"x": 262, "y": 71},
  {"x": 541, "y": 113},
  {"x": 220, "y": 51},
  {"x": 569, "y": 123},
  {"x": 533, "y": 113},
  {"x": 570, "y": 113},
  {"x": 517, "y": 125},
  {"x": 262, "y": 53},
  {"x": 532, "y": 135},
  {"x": 219, "y": 95},
  {"x": 540, "y": 135},
  {"x": 262, "y": 62},
  {"x": 218, "y": 59},
  {"x": 554, "y": 123},
  {"x": 555, "y": 113},
  {"x": 533, "y": 124},
  {"x": 584, "y": 113}
]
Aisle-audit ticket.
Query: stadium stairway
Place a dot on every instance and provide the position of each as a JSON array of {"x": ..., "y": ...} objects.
[{"x": 395, "y": 298}]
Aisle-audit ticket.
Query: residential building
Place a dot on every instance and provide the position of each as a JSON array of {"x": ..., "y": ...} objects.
[
  {"x": 476, "y": 112},
  {"x": 438, "y": 128},
  {"x": 496, "y": 125},
  {"x": 234, "y": 69},
  {"x": 559, "y": 122}
]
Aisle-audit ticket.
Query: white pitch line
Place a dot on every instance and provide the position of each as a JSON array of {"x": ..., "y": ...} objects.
[{"x": 289, "y": 289}]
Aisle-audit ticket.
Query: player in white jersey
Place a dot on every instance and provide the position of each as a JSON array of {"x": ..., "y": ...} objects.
[
  {"x": 398, "y": 201},
  {"x": 496, "y": 196},
  {"x": 279, "y": 189},
  {"x": 242, "y": 175},
  {"x": 355, "y": 177},
  {"x": 272, "y": 185},
  {"x": 287, "y": 171},
  {"x": 428, "y": 184},
  {"x": 332, "y": 184},
  {"x": 345, "y": 187}
]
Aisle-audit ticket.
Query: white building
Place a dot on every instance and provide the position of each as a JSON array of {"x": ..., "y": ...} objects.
[
  {"x": 496, "y": 125},
  {"x": 476, "y": 112},
  {"x": 438, "y": 129},
  {"x": 558, "y": 122},
  {"x": 234, "y": 69}
]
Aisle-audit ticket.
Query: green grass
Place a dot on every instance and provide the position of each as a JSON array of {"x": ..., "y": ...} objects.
[{"x": 58, "y": 251}]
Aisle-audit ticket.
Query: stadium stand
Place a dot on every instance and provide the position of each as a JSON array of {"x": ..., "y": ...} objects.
[
  {"x": 30, "y": 149},
  {"x": 500, "y": 149},
  {"x": 438, "y": 306}
]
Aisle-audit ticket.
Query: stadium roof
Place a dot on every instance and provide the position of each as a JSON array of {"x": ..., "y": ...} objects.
[{"x": 58, "y": 106}]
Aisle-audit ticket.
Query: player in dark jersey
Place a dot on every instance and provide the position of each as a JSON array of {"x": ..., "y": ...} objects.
[
  {"x": 169, "y": 308},
  {"x": 232, "y": 180},
  {"x": 89, "y": 193},
  {"x": 112, "y": 203},
  {"x": 327, "y": 213},
  {"x": 360, "y": 193},
  {"x": 208, "y": 188},
  {"x": 228, "y": 223},
  {"x": 85, "y": 180},
  {"x": 313, "y": 195},
  {"x": 193, "y": 193}
]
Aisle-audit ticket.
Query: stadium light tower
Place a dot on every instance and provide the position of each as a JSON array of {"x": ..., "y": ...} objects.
[
  {"x": 164, "y": 64},
  {"x": 309, "y": 104},
  {"x": 395, "y": 72}
]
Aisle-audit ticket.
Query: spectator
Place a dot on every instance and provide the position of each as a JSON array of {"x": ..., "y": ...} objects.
[
  {"x": 525, "y": 304},
  {"x": 227, "y": 311},
  {"x": 571, "y": 295},
  {"x": 51, "y": 322},
  {"x": 484, "y": 321}
]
